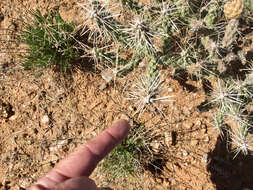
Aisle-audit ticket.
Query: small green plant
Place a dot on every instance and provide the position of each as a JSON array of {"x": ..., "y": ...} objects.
[
  {"x": 49, "y": 40},
  {"x": 129, "y": 157}
]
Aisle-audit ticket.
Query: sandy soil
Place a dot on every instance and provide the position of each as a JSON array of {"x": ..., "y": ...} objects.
[{"x": 43, "y": 118}]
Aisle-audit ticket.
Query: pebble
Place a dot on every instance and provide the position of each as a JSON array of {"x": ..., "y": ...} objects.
[
  {"x": 168, "y": 138},
  {"x": 205, "y": 158},
  {"x": 206, "y": 139},
  {"x": 198, "y": 123},
  {"x": 185, "y": 153},
  {"x": 169, "y": 166},
  {"x": 14, "y": 117},
  {"x": 187, "y": 125},
  {"x": 107, "y": 75},
  {"x": 155, "y": 146},
  {"x": 158, "y": 180},
  {"x": 24, "y": 183},
  {"x": 62, "y": 143},
  {"x": 44, "y": 119},
  {"x": 103, "y": 86},
  {"x": 194, "y": 142},
  {"x": 131, "y": 108}
]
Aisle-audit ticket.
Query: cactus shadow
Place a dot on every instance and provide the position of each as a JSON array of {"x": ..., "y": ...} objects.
[{"x": 228, "y": 173}]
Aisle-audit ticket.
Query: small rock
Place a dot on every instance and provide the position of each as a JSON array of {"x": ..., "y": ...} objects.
[
  {"x": 170, "y": 90},
  {"x": 24, "y": 183},
  {"x": 198, "y": 123},
  {"x": 12, "y": 118},
  {"x": 169, "y": 166},
  {"x": 194, "y": 142},
  {"x": 159, "y": 180},
  {"x": 206, "y": 139},
  {"x": 107, "y": 75},
  {"x": 168, "y": 138},
  {"x": 193, "y": 161},
  {"x": 131, "y": 108},
  {"x": 45, "y": 119},
  {"x": 155, "y": 146},
  {"x": 187, "y": 125},
  {"x": 62, "y": 143},
  {"x": 205, "y": 158},
  {"x": 185, "y": 153},
  {"x": 103, "y": 86}
]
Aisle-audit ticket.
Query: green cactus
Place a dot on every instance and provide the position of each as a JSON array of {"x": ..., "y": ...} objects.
[
  {"x": 249, "y": 4},
  {"x": 230, "y": 33},
  {"x": 211, "y": 16}
]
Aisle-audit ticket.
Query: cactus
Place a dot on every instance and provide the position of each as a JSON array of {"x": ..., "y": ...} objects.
[
  {"x": 100, "y": 25},
  {"x": 230, "y": 33},
  {"x": 209, "y": 45},
  {"x": 211, "y": 16},
  {"x": 233, "y": 9},
  {"x": 249, "y": 5}
]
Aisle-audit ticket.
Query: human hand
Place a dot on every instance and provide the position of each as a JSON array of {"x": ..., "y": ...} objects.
[{"x": 72, "y": 173}]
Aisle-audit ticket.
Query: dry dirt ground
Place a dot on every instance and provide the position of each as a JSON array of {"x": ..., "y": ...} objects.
[{"x": 43, "y": 118}]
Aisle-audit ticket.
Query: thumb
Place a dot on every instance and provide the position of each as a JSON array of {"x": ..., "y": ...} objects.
[{"x": 77, "y": 183}]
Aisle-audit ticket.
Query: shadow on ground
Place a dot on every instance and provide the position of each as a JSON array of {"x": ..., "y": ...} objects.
[{"x": 228, "y": 173}]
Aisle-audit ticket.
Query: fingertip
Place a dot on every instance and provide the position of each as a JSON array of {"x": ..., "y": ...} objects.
[{"x": 119, "y": 129}]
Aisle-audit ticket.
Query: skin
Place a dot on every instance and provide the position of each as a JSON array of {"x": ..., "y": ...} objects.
[{"x": 72, "y": 173}]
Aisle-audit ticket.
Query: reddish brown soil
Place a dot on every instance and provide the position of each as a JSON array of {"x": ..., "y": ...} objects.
[{"x": 78, "y": 110}]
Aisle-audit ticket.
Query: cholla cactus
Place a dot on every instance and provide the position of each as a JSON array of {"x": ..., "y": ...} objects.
[
  {"x": 209, "y": 45},
  {"x": 99, "y": 22},
  {"x": 249, "y": 5},
  {"x": 241, "y": 139},
  {"x": 218, "y": 122},
  {"x": 131, "y": 5},
  {"x": 231, "y": 98},
  {"x": 139, "y": 36},
  {"x": 166, "y": 14},
  {"x": 230, "y": 33},
  {"x": 211, "y": 15},
  {"x": 224, "y": 95},
  {"x": 147, "y": 91},
  {"x": 233, "y": 9}
]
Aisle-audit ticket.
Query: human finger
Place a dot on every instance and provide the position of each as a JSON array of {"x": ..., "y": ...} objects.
[{"x": 86, "y": 157}]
